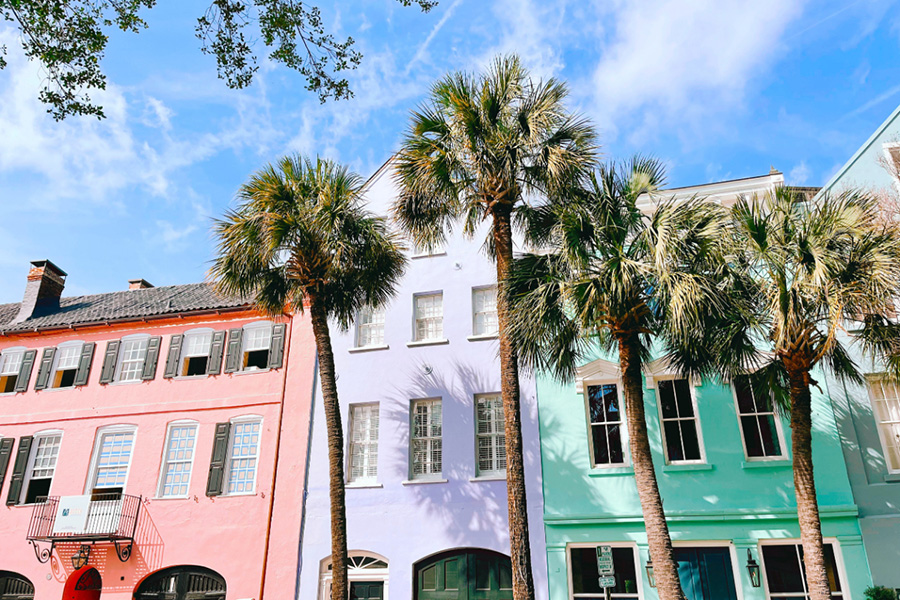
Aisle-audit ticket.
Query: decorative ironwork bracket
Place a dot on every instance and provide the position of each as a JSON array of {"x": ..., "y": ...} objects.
[
  {"x": 42, "y": 553},
  {"x": 123, "y": 549}
]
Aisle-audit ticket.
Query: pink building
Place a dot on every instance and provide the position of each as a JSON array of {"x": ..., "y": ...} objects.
[{"x": 153, "y": 444}]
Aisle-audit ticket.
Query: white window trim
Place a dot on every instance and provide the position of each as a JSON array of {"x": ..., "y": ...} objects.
[
  {"x": 440, "y": 249},
  {"x": 56, "y": 355},
  {"x": 484, "y": 336},
  {"x": 120, "y": 361},
  {"x": 495, "y": 474},
  {"x": 356, "y": 332},
  {"x": 626, "y": 454},
  {"x": 227, "y": 479},
  {"x": 639, "y": 568},
  {"x": 886, "y": 148},
  {"x": 778, "y": 429},
  {"x": 184, "y": 357},
  {"x": 362, "y": 482},
  {"x": 32, "y": 455},
  {"x": 692, "y": 386},
  {"x": 425, "y": 477},
  {"x": 13, "y": 349},
  {"x": 872, "y": 379},
  {"x": 354, "y": 574},
  {"x": 838, "y": 559},
  {"x": 248, "y": 327},
  {"x": 95, "y": 453},
  {"x": 163, "y": 462},
  {"x": 415, "y": 341}
]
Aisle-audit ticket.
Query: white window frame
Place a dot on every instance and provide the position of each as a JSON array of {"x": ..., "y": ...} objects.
[
  {"x": 878, "y": 380},
  {"x": 838, "y": 560},
  {"x": 364, "y": 481},
  {"x": 353, "y": 573},
  {"x": 484, "y": 334},
  {"x": 494, "y": 473},
  {"x": 415, "y": 316},
  {"x": 776, "y": 414},
  {"x": 439, "y": 249},
  {"x": 364, "y": 326},
  {"x": 164, "y": 464},
  {"x": 692, "y": 385},
  {"x": 51, "y": 383},
  {"x": 623, "y": 424},
  {"x": 120, "y": 360},
  {"x": 413, "y": 439},
  {"x": 255, "y": 325},
  {"x": 95, "y": 453},
  {"x": 243, "y": 419},
  {"x": 186, "y": 354},
  {"x": 638, "y": 569},
  {"x": 6, "y": 352},
  {"x": 887, "y": 147},
  {"x": 32, "y": 456}
]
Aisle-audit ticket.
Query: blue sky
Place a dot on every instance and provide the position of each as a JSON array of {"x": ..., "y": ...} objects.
[{"x": 718, "y": 88}]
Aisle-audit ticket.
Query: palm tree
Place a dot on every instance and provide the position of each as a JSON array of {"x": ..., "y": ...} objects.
[
  {"x": 812, "y": 277},
  {"x": 630, "y": 282},
  {"x": 477, "y": 151},
  {"x": 300, "y": 239}
]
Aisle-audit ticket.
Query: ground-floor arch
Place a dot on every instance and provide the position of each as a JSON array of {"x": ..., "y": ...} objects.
[
  {"x": 367, "y": 573},
  {"x": 14, "y": 586},
  {"x": 183, "y": 582},
  {"x": 83, "y": 584},
  {"x": 464, "y": 574}
]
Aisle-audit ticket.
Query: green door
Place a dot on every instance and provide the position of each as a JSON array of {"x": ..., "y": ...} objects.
[
  {"x": 464, "y": 575},
  {"x": 366, "y": 590}
]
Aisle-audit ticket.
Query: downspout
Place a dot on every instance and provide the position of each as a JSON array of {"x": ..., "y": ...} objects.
[{"x": 309, "y": 438}]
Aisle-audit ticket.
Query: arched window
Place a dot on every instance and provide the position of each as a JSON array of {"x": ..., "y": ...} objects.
[
  {"x": 15, "y": 587},
  {"x": 366, "y": 571},
  {"x": 185, "y": 582}
]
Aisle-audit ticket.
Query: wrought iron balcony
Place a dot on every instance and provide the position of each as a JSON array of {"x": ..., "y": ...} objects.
[{"x": 89, "y": 519}]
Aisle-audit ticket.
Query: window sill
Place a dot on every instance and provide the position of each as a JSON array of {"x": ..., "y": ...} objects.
[
  {"x": 610, "y": 471},
  {"x": 357, "y": 349},
  {"x": 483, "y": 337},
  {"x": 58, "y": 389},
  {"x": 422, "y": 481},
  {"x": 687, "y": 467},
  {"x": 169, "y": 498},
  {"x": 483, "y": 478},
  {"x": 250, "y": 372},
  {"x": 189, "y": 377},
  {"x": 236, "y": 495},
  {"x": 427, "y": 343},
  {"x": 767, "y": 464},
  {"x": 892, "y": 478},
  {"x": 136, "y": 381},
  {"x": 417, "y": 256},
  {"x": 362, "y": 486}
]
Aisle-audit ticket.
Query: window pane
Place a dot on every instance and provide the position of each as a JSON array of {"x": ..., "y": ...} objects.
[
  {"x": 673, "y": 441},
  {"x": 370, "y": 327},
  {"x": 429, "y": 317},
  {"x": 132, "y": 359},
  {"x": 257, "y": 337},
  {"x": 484, "y": 307},
  {"x": 113, "y": 459},
  {"x": 46, "y": 451},
  {"x": 601, "y": 445},
  {"x": 585, "y": 576},
  {"x": 179, "y": 455},
  {"x": 490, "y": 436},
  {"x": 242, "y": 463},
  {"x": 886, "y": 406},
  {"x": 11, "y": 362},
  {"x": 626, "y": 576},
  {"x": 197, "y": 344},
  {"x": 666, "y": 390},
  {"x": 744, "y": 395},
  {"x": 427, "y": 450},
  {"x": 689, "y": 439},
  {"x": 363, "y": 442},
  {"x": 751, "y": 437},
  {"x": 783, "y": 569},
  {"x": 771, "y": 443},
  {"x": 683, "y": 397}
]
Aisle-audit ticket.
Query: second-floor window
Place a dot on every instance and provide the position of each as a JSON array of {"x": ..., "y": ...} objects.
[
  {"x": 484, "y": 311},
  {"x": 178, "y": 460},
  {"x": 363, "y": 443},
  {"x": 606, "y": 425},
  {"x": 681, "y": 436},
  {"x": 111, "y": 461},
  {"x": 243, "y": 454},
  {"x": 885, "y": 397},
  {"x": 132, "y": 354},
  {"x": 370, "y": 327},
  {"x": 195, "y": 352},
  {"x": 490, "y": 436},
  {"x": 760, "y": 428},
  {"x": 41, "y": 466},
  {"x": 429, "y": 317},
  {"x": 257, "y": 341},
  {"x": 427, "y": 450},
  {"x": 10, "y": 365},
  {"x": 65, "y": 365}
]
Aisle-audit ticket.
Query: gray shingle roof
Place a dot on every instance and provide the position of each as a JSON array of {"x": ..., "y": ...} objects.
[{"x": 129, "y": 304}]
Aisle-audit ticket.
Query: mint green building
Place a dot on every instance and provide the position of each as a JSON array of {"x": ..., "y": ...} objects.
[{"x": 723, "y": 461}]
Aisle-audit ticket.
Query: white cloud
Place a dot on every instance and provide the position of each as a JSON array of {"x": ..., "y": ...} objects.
[
  {"x": 423, "y": 48},
  {"x": 799, "y": 175}
]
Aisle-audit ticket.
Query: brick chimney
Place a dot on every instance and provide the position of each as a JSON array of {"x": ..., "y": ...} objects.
[
  {"x": 43, "y": 289},
  {"x": 139, "y": 284}
]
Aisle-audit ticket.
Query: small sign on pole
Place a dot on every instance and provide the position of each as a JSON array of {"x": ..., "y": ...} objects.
[
  {"x": 608, "y": 581},
  {"x": 605, "y": 561}
]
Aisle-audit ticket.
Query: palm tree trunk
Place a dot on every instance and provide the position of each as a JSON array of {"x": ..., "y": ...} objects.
[
  {"x": 664, "y": 569},
  {"x": 805, "y": 486},
  {"x": 339, "y": 586},
  {"x": 520, "y": 547}
]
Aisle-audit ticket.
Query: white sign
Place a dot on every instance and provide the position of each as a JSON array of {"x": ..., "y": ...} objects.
[
  {"x": 72, "y": 514},
  {"x": 608, "y": 582},
  {"x": 605, "y": 561}
]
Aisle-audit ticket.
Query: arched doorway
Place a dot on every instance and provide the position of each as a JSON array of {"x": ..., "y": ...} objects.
[
  {"x": 15, "y": 587},
  {"x": 468, "y": 574},
  {"x": 83, "y": 584},
  {"x": 182, "y": 583},
  {"x": 366, "y": 571}
]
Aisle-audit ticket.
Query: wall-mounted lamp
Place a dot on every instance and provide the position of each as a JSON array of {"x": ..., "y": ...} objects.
[
  {"x": 80, "y": 558},
  {"x": 753, "y": 569},
  {"x": 651, "y": 579}
]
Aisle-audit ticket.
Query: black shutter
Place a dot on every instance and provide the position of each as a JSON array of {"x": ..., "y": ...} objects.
[
  {"x": 43, "y": 378},
  {"x": 25, "y": 370},
  {"x": 173, "y": 359},
  {"x": 151, "y": 358},
  {"x": 215, "y": 353},
  {"x": 6, "y": 446},
  {"x": 109, "y": 361},
  {"x": 84, "y": 364},
  {"x": 276, "y": 348},
  {"x": 216, "y": 480},
  {"x": 233, "y": 357},
  {"x": 18, "y": 474}
]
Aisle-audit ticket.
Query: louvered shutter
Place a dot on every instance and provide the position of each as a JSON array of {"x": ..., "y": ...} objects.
[
  {"x": 84, "y": 364},
  {"x": 18, "y": 474},
  {"x": 6, "y": 447},
  {"x": 173, "y": 359},
  {"x": 43, "y": 377},
  {"x": 216, "y": 479},
  {"x": 233, "y": 357},
  {"x": 25, "y": 370},
  {"x": 109, "y": 361},
  {"x": 276, "y": 349},
  {"x": 151, "y": 358},
  {"x": 216, "y": 348}
]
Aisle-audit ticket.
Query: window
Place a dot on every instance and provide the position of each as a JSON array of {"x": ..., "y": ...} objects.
[
  {"x": 681, "y": 436},
  {"x": 10, "y": 365},
  {"x": 112, "y": 459},
  {"x": 490, "y": 435},
  {"x": 370, "y": 327},
  {"x": 885, "y": 398},
  {"x": 786, "y": 574},
  {"x": 421, "y": 251},
  {"x": 426, "y": 439},
  {"x": 363, "y": 443},
  {"x": 256, "y": 345},
  {"x": 66, "y": 364},
  {"x": 131, "y": 358},
  {"x": 760, "y": 427},
  {"x": 195, "y": 352},
  {"x": 178, "y": 460},
  {"x": 484, "y": 311},
  {"x": 243, "y": 453},
  {"x": 584, "y": 574},
  {"x": 41, "y": 466},
  {"x": 606, "y": 425},
  {"x": 429, "y": 317}
]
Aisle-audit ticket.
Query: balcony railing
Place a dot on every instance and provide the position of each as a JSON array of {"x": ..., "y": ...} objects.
[{"x": 99, "y": 517}]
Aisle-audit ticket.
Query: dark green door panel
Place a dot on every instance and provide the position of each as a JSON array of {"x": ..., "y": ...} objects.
[
  {"x": 706, "y": 573},
  {"x": 366, "y": 590},
  {"x": 464, "y": 575}
]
